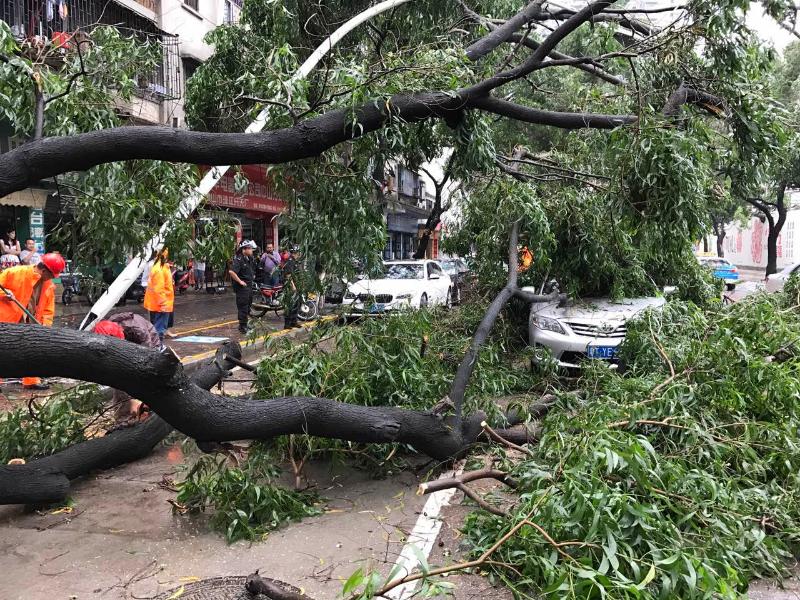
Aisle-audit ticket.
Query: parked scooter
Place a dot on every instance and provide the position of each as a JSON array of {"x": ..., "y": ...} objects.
[{"x": 265, "y": 298}]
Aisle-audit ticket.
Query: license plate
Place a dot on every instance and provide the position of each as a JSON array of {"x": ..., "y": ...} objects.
[
  {"x": 377, "y": 308},
  {"x": 605, "y": 352}
]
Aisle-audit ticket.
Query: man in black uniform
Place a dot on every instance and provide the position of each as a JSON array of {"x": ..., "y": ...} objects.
[
  {"x": 291, "y": 289},
  {"x": 243, "y": 273}
]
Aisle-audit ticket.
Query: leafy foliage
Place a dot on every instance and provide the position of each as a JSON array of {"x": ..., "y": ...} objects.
[
  {"x": 666, "y": 485},
  {"x": 45, "y": 429},
  {"x": 245, "y": 500}
]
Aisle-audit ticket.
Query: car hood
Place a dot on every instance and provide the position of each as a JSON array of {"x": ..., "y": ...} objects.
[
  {"x": 600, "y": 309},
  {"x": 386, "y": 286}
]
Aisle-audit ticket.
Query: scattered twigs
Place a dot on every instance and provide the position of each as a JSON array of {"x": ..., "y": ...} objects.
[
  {"x": 488, "y": 473},
  {"x": 501, "y": 440},
  {"x": 480, "y": 501},
  {"x": 459, "y": 482}
]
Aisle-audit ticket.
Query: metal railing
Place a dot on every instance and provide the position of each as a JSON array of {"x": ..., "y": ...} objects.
[{"x": 43, "y": 21}]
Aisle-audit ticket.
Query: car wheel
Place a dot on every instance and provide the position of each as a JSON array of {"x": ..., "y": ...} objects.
[
  {"x": 730, "y": 286},
  {"x": 66, "y": 297},
  {"x": 423, "y": 301}
]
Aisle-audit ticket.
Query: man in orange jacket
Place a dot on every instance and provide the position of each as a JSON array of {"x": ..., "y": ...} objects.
[
  {"x": 33, "y": 288},
  {"x": 159, "y": 297}
]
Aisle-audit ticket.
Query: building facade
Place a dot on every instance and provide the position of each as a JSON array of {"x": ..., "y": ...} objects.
[
  {"x": 747, "y": 246},
  {"x": 179, "y": 28}
]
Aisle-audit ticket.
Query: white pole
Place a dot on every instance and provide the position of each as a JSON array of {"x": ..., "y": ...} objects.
[{"x": 189, "y": 204}]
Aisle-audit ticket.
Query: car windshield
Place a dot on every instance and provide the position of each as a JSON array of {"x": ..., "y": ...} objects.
[
  {"x": 404, "y": 271},
  {"x": 450, "y": 267}
]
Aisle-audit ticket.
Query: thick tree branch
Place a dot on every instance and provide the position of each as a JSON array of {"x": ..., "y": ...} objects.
[
  {"x": 688, "y": 95},
  {"x": 562, "y": 120},
  {"x": 503, "y": 33},
  {"x": 459, "y": 387},
  {"x": 158, "y": 380},
  {"x": 46, "y": 479}
]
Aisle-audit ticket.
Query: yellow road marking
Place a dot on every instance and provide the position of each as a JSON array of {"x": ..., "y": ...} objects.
[
  {"x": 247, "y": 343},
  {"x": 179, "y": 333}
]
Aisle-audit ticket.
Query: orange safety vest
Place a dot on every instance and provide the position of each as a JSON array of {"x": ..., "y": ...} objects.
[
  {"x": 160, "y": 290},
  {"x": 20, "y": 281}
]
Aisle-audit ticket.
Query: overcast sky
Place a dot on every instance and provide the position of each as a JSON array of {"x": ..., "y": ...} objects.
[{"x": 766, "y": 27}]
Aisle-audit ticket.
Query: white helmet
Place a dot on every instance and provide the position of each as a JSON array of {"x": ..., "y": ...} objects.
[{"x": 248, "y": 244}]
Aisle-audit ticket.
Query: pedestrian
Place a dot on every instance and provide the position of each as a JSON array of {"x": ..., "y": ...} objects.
[
  {"x": 31, "y": 286},
  {"x": 291, "y": 289},
  {"x": 243, "y": 273},
  {"x": 199, "y": 273},
  {"x": 137, "y": 330},
  {"x": 159, "y": 298},
  {"x": 270, "y": 265},
  {"x": 9, "y": 249},
  {"x": 29, "y": 256}
]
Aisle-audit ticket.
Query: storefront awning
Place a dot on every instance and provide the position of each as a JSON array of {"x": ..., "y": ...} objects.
[{"x": 30, "y": 198}]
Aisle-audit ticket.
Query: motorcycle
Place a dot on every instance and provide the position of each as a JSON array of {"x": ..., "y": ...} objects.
[
  {"x": 265, "y": 298},
  {"x": 268, "y": 297},
  {"x": 309, "y": 307}
]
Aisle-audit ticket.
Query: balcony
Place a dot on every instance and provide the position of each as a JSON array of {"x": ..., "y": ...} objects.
[{"x": 37, "y": 24}]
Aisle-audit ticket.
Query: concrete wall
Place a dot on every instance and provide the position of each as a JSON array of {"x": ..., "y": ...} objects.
[{"x": 747, "y": 246}]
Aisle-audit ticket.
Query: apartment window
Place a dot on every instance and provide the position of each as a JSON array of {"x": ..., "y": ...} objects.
[
  {"x": 231, "y": 13},
  {"x": 193, "y": 4}
]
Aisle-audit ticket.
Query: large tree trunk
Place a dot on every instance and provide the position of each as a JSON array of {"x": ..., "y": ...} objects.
[
  {"x": 159, "y": 380},
  {"x": 434, "y": 218},
  {"x": 47, "y": 479},
  {"x": 721, "y": 243}
]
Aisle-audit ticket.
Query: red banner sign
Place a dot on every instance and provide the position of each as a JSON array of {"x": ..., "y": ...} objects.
[{"x": 260, "y": 195}]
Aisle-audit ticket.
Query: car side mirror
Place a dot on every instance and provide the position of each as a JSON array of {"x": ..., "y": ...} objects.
[{"x": 433, "y": 277}]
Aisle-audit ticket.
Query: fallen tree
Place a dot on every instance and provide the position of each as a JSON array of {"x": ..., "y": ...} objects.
[
  {"x": 46, "y": 479},
  {"x": 185, "y": 403}
]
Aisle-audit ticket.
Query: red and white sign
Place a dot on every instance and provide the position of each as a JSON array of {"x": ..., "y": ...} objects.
[{"x": 260, "y": 195}]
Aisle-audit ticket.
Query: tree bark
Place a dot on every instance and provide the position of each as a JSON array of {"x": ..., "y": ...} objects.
[
  {"x": 46, "y": 479},
  {"x": 721, "y": 233},
  {"x": 774, "y": 226},
  {"x": 158, "y": 380}
]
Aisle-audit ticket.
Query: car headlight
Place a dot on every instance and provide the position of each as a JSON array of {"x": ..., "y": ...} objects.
[
  {"x": 403, "y": 297},
  {"x": 548, "y": 324}
]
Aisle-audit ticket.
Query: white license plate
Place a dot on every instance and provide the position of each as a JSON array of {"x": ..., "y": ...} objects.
[{"x": 604, "y": 352}]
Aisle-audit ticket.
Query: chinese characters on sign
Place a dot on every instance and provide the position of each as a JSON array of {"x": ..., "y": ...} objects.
[{"x": 37, "y": 228}]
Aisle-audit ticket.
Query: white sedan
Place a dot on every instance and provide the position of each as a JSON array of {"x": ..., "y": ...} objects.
[
  {"x": 405, "y": 284},
  {"x": 776, "y": 281}
]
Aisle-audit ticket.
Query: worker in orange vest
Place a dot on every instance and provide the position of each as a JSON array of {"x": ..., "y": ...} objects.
[
  {"x": 159, "y": 298},
  {"x": 33, "y": 288}
]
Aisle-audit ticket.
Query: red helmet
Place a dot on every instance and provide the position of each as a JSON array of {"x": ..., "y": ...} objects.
[
  {"x": 54, "y": 262},
  {"x": 109, "y": 328}
]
